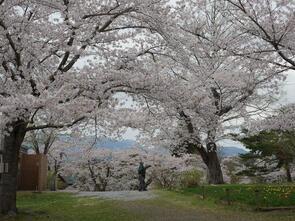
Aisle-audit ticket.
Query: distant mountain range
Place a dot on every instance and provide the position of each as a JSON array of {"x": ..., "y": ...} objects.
[
  {"x": 107, "y": 143},
  {"x": 231, "y": 151},
  {"x": 126, "y": 144}
]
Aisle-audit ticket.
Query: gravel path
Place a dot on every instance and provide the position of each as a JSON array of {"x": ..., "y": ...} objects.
[{"x": 119, "y": 195}]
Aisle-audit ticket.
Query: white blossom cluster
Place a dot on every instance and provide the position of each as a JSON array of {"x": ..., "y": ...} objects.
[
  {"x": 118, "y": 170},
  {"x": 282, "y": 120}
]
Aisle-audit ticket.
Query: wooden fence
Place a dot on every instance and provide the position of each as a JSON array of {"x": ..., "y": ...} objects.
[{"x": 32, "y": 172}]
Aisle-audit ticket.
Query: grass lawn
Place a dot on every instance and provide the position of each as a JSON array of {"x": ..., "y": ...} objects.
[
  {"x": 168, "y": 206},
  {"x": 252, "y": 195}
]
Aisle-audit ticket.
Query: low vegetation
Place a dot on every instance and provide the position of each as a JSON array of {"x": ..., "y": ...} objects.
[
  {"x": 172, "y": 179},
  {"x": 168, "y": 205},
  {"x": 262, "y": 195}
]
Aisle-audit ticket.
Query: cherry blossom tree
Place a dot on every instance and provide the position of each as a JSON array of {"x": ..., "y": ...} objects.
[
  {"x": 282, "y": 119},
  {"x": 93, "y": 170},
  {"x": 202, "y": 88},
  {"x": 267, "y": 28},
  {"x": 102, "y": 169},
  {"x": 61, "y": 61},
  {"x": 41, "y": 140},
  {"x": 186, "y": 64},
  {"x": 59, "y": 153}
]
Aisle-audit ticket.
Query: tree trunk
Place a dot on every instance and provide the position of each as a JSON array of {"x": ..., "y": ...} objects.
[
  {"x": 100, "y": 187},
  {"x": 8, "y": 180},
  {"x": 211, "y": 160},
  {"x": 288, "y": 172},
  {"x": 104, "y": 186},
  {"x": 96, "y": 187}
]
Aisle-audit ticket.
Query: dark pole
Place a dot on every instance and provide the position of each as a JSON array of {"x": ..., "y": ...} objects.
[
  {"x": 203, "y": 192},
  {"x": 227, "y": 192}
]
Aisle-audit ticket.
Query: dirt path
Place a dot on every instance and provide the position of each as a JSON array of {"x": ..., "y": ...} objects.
[
  {"x": 146, "y": 205},
  {"x": 151, "y": 206},
  {"x": 120, "y": 195}
]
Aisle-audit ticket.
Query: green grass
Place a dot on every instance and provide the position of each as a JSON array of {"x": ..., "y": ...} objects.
[
  {"x": 168, "y": 206},
  {"x": 251, "y": 195},
  {"x": 65, "y": 207}
]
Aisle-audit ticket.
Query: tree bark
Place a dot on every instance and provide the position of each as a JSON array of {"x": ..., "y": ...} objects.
[
  {"x": 209, "y": 157},
  {"x": 214, "y": 168},
  {"x": 211, "y": 160},
  {"x": 8, "y": 181}
]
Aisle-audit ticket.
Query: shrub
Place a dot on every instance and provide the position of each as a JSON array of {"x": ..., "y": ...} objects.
[
  {"x": 164, "y": 178},
  {"x": 51, "y": 181},
  {"x": 191, "y": 178},
  {"x": 170, "y": 179},
  {"x": 60, "y": 185}
]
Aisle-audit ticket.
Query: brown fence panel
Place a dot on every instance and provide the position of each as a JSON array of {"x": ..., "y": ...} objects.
[
  {"x": 43, "y": 168},
  {"x": 33, "y": 172}
]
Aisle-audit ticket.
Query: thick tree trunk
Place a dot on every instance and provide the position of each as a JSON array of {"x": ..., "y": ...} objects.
[
  {"x": 288, "y": 172},
  {"x": 214, "y": 168},
  {"x": 8, "y": 180},
  {"x": 211, "y": 160}
]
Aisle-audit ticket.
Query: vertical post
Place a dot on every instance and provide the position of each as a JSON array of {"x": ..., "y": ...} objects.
[
  {"x": 257, "y": 199},
  {"x": 203, "y": 192},
  {"x": 227, "y": 193},
  {"x": 1, "y": 141},
  {"x": 38, "y": 173},
  {"x": 2, "y": 165}
]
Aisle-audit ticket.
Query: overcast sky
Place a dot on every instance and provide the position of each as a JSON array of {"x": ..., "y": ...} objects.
[{"x": 288, "y": 89}]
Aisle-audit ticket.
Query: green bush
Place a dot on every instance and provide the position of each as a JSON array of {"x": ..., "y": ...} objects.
[
  {"x": 165, "y": 178},
  {"x": 254, "y": 195},
  {"x": 51, "y": 185},
  {"x": 191, "y": 178},
  {"x": 49, "y": 179},
  {"x": 60, "y": 184}
]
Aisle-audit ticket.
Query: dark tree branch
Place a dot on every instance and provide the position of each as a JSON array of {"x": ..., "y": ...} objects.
[{"x": 56, "y": 126}]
